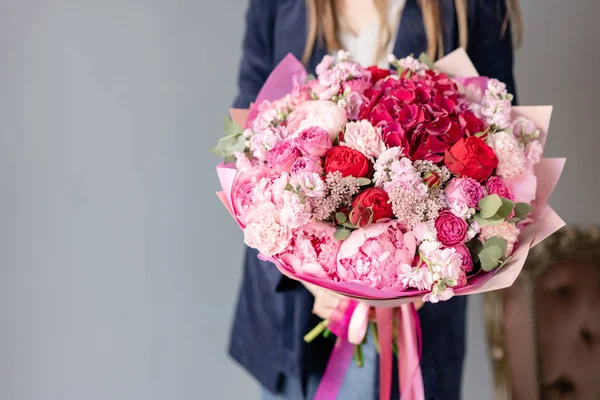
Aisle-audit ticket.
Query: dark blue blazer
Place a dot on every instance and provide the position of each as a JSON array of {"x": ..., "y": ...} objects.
[{"x": 273, "y": 313}]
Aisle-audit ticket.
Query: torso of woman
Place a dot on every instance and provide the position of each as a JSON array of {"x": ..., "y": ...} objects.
[{"x": 273, "y": 313}]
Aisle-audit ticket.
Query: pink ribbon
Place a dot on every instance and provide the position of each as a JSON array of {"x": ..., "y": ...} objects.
[{"x": 349, "y": 321}]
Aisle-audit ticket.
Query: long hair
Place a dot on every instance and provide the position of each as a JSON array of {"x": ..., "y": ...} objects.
[{"x": 324, "y": 25}]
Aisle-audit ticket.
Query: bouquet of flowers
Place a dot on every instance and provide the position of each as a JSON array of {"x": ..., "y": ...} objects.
[{"x": 389, "y": 186}]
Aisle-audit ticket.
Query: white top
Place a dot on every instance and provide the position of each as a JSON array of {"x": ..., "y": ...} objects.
[{"x": 363, "y": 47}]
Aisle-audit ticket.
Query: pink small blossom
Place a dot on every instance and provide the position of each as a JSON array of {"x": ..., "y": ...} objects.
[
  {"x": 310, "y": 183},
  {"x": 533, "y": 152},
  {"x": 425, "y": 231},
  {"x": 325, "y": 64},
  {"x": 352, "y": 104},
  {"x": 440, "y": 292},
  {"x": 418, "y": 277}
]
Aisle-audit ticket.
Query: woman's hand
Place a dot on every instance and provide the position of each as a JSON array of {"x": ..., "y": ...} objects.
[{"x": 326, "y": 301}]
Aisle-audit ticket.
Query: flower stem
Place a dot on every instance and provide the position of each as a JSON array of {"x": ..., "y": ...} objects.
[
  {"x": 375, "y": 335},
  {"x": 358, "y": 354},
  {"x": 316, "y": 331}
]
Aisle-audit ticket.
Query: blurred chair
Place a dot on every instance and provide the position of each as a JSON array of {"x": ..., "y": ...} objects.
[{"x": 544, "y": 331}]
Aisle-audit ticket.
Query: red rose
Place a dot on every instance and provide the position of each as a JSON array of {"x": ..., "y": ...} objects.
[
  {"x": 471, "y": 157},
  {"x": 377, "y": 200},
  {"x": 378, "y": 73},
  {"x": 348, "y": 161}
]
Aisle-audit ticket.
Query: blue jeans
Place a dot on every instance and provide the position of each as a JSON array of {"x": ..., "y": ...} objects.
[{"x": 359, "y": 383}]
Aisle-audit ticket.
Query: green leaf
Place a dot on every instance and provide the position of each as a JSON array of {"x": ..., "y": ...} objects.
[
  {"x": 231, "y": 128},
  {"x": 349, "y": 225},
  {"x": 310, "y": 77},
  {"x": 489, "y": 205},
  {"x": 341, "y": 217},
  {"x": 521, "y": 210},
  {"x": 229, "y": 159},
  {"x": 514, "y": 220},
  {"x": 488, "y": 221},
  {"x": 489, "y": 257},
  {"x": 364, "y": 181},
  {"x": 505, "y": 209},
  {"x": 498, "y": 242},
  {"x": 342, "y": 234},
  {"x": 424, "y": 58},
  {"x": 289, "y": 187}
]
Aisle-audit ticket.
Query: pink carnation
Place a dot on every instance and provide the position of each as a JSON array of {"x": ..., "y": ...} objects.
[
  {"x": 465, "y": 191},
  {"x": 314, "y": 141},
  {"x": 265, "y": 232},
  {"x": 313, "y": 250},
  {"x": 243, "y": 188},
  {"x": 283, "y": 156},
  {"x": 511, "y": 158},
  {"x": 364, "y": 137},
  {"x": 506, "y": 231},
  {"x": 374, "y": 255}
]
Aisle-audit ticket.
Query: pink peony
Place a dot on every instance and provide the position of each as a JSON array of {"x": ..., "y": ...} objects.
[
  {"x": 506, "y": 231},
  {"x": 243, "y": 188},
  {"x": 467, "y": 260},
  {"x": 364, "y": 137},
  {"x": 374, "y": 255},
  {"x": 451, "y": 230},
  {"x": 497, "y": 185},
  {"x": 283, "y": 156},
  {"x": 307, "y": 164},
  {"x": 313, "y": 251},
  {"x": 465, "y": 191},
  {"x": 314, "y": 141},
  {"x": 322, "y": 113},
  {"x": 265, "y": 232}
]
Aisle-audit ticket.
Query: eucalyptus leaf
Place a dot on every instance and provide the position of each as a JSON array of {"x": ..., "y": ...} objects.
[
  {"x": 498, "y": 242},
  {"x": 231, "y": 128},
  {"x": 342, "y": 234},
  {"x": 493, "y": 221},
  {"x": 364, "y": 181},
  {"x": 489, "y": 257},
  {"x": 522, "y": 209},
  {"x": 349, "y": 224},
  {"x": 340, "y": 217},
  {"x": 505, "y": 209},
  {"x": 490, "y": 205},
  {"x": 514, "y": 220},
  {"x": 228, "y": 159},
  {"x": 424, "y": 58}
]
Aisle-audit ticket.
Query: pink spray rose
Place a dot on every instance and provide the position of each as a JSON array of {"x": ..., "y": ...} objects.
[
  {"x": 313, "y": 250},
  {"x": 283, "y": 156},
  {"x": 307, "y": 164},
  {"x": 506, "y": 231},
  {"x": 451, "y": 230},
  {"x": 374, "y": 255},
  {"x": 322, "y": 113},
  {"x": 496, "y": 185},
  {"x": 314, "y": 141},
  {"x": 464, "y": 190},
  {"x": 467, "y": 260}
]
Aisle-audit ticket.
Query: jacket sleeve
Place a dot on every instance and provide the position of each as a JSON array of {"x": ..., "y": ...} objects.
[
  {"x": 490, "y": 42},
  {"x": 257, "y": 51},
  {"x": 255, "y": 67}
]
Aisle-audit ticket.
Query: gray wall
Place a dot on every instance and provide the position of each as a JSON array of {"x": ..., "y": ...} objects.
[{"x": 113, "y": 283}]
